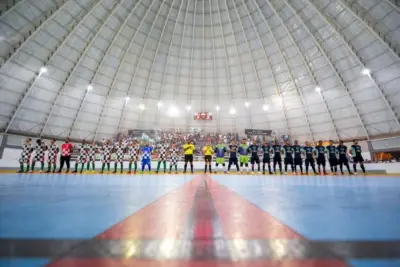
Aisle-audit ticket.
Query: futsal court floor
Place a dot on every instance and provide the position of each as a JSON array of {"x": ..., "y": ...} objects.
[{"x": 199, "y": 221}]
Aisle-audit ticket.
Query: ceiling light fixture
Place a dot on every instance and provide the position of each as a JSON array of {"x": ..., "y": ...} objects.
[
  {"x": 173, "y": 111},
  {"x": 232, "y": 111},
  {"x": 217, "y": 108},
  {"x": 89, "y": 87},
  {"x": 366, "y": 71},
  {"x": 265, "y": 107},
  {"x": 43, "y": 70},
  {"x": 247, "y": 104},
  {"x": 142, "y": 106},
  {"x": 188, "y": 107},
  {"x": 159, "y": 104},
  {"x": 318, "y": 89}
]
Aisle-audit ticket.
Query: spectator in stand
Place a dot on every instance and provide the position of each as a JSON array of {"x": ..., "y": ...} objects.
[{"x": 66, "y": 151}]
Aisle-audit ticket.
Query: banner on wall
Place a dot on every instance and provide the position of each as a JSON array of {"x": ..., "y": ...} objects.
[{"x": 258, "y": 132}]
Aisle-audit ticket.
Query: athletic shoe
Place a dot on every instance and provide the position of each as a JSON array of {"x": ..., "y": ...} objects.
[
  {"x": 80, "y": 172},
  {"x": 114, "y": 172},
  {"x": 74, "y": 171},
  {"x": 20, "y": 171},
  {"x": 30, "y": 171},
  {"x": 93, "y": 171},
  {"x": 355, "y": 173},
  {"x": 294, "y": 173},
  {"x": 239, "y": 172},
  {"x": 325, "y": 173},
  {"x": 252, "y": 173},
  {"x": 316, "y": 173},
  {"x": 47, "y": 172}
]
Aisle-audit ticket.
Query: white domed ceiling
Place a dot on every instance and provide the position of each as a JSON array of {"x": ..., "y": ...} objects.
[{"x": 314, "y": 69}]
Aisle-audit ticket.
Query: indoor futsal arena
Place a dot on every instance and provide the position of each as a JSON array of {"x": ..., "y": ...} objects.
[{"x": 199, "y": 133}]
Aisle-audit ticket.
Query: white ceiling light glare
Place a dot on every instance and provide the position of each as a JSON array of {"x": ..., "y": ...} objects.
[
  {"x": 142, "y": 106},
  {"x": 188, "y": 107},
  {"x": 159, "y": 104},
  {"x": 247, "y": 104},
  {"x": 318, "y": 89},
  {"x": 127, "y": 98},
  {"x": 366, "y": 72},
  {"x": 265, "y": 107},
  {"x": 217, "y": 108},
  {"x": 89, "y": 87},
  {"x": 232, "y": 111},
  {"x": 43, "y": 70},
  {"x": 173, "y": 111}
]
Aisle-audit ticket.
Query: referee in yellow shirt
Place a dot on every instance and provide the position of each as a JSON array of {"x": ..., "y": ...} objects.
[
  {"x": 188, "y": 149},
  {"x": 208, "y": 151}
]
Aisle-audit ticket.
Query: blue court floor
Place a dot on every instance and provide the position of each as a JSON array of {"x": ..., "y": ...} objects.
[{"x": 120, "y": 220}]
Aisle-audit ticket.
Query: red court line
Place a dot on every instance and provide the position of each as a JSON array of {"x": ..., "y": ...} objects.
[
  {"x": 241, "y": 219},
  {"x": 164, "y": 218},
  {"x": 154, "y": 263}
]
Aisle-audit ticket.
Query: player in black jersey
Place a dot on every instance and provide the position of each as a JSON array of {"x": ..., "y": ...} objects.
[
  {"x": 277, "y": 150},
  {"x": 321, "y": 161},
  {"x": 254, "y": 148},
  {"x": 355, "y": 151},
  {"x": 298, "y": 160},
  {"x": 342, "y": 150},
  {"x": 266, "y": 148},
  {"x": 233, "y": 149},
  {"x": 332, "y": 156},
  {"x": 288, "y": 152},
  {"x": 310, "y": 154}
]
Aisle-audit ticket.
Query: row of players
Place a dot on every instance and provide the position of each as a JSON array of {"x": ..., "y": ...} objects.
[{"x": 292, "y": 155}]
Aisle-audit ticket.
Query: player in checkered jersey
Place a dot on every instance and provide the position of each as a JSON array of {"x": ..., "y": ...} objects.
[
  {"x": 120, "y": 151},
  {"x": 133, "y": 152},
  {"x": 82, "y": 156},
  {"x": 52, "y": 157},
  {"x": 91, "y": 155},
  {"x": 25, "y": 155},
  {"x": 162, "y": 155},
  {"x": 39, "y": 155},
  {"x": 173, "y": 157},
  {"x": 106, "y": 155}
]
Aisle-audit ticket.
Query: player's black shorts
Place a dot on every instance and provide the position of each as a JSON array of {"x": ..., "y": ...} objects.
[
  {"x": 321, "y": 161},
  {"x": 298, "y": 161},
  {"x": 310, "y": 161},
  {"x": 208, "y": 158},
  {"x": 358, "y": 159},
  {"x": 266, "y": 159},
  {"x": 188, "y": 158},
  {"x": 333, "y": 161},
  {"x": 254, "y": 159},
  {"x": 233, "y": 161},
  {"x": 288, "y": 161},
  {"x": 277, "y": 159},
  {"x": 343, "y": 159}
]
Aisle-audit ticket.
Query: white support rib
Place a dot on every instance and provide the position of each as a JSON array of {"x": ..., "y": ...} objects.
[
  {"x": 48, "y": 61},
  {"x": 110, "y": 46},
  {"x": 191, "y": 61},
  {"x": 81, "y": 57},
  {"x": 228, "y": 75},
  {"x": 137, "y": 65},
  {"x": 371, "y": 27},
  {"x": 357, "y": 57},
  {"x": 327, "y": 58},
  {"x": 154, "y": 58},
  {"x": 310, "y": 72},
  {"x": 251, "y": 56},
  {"x": 269, "y": 66},
  {"x": 290, "y": 72},
  {"x": 168, "y": 58},
  {"x": 10, "y": 7},
  {"x": 395, "y": 4},
  {"x": 178, "y": 69},
  {"x": 49, "y": 16},
  {"x": 110, "y": 90},
  {"x": 215, "y": 73},
  {"x": 240, "y": 63}
]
